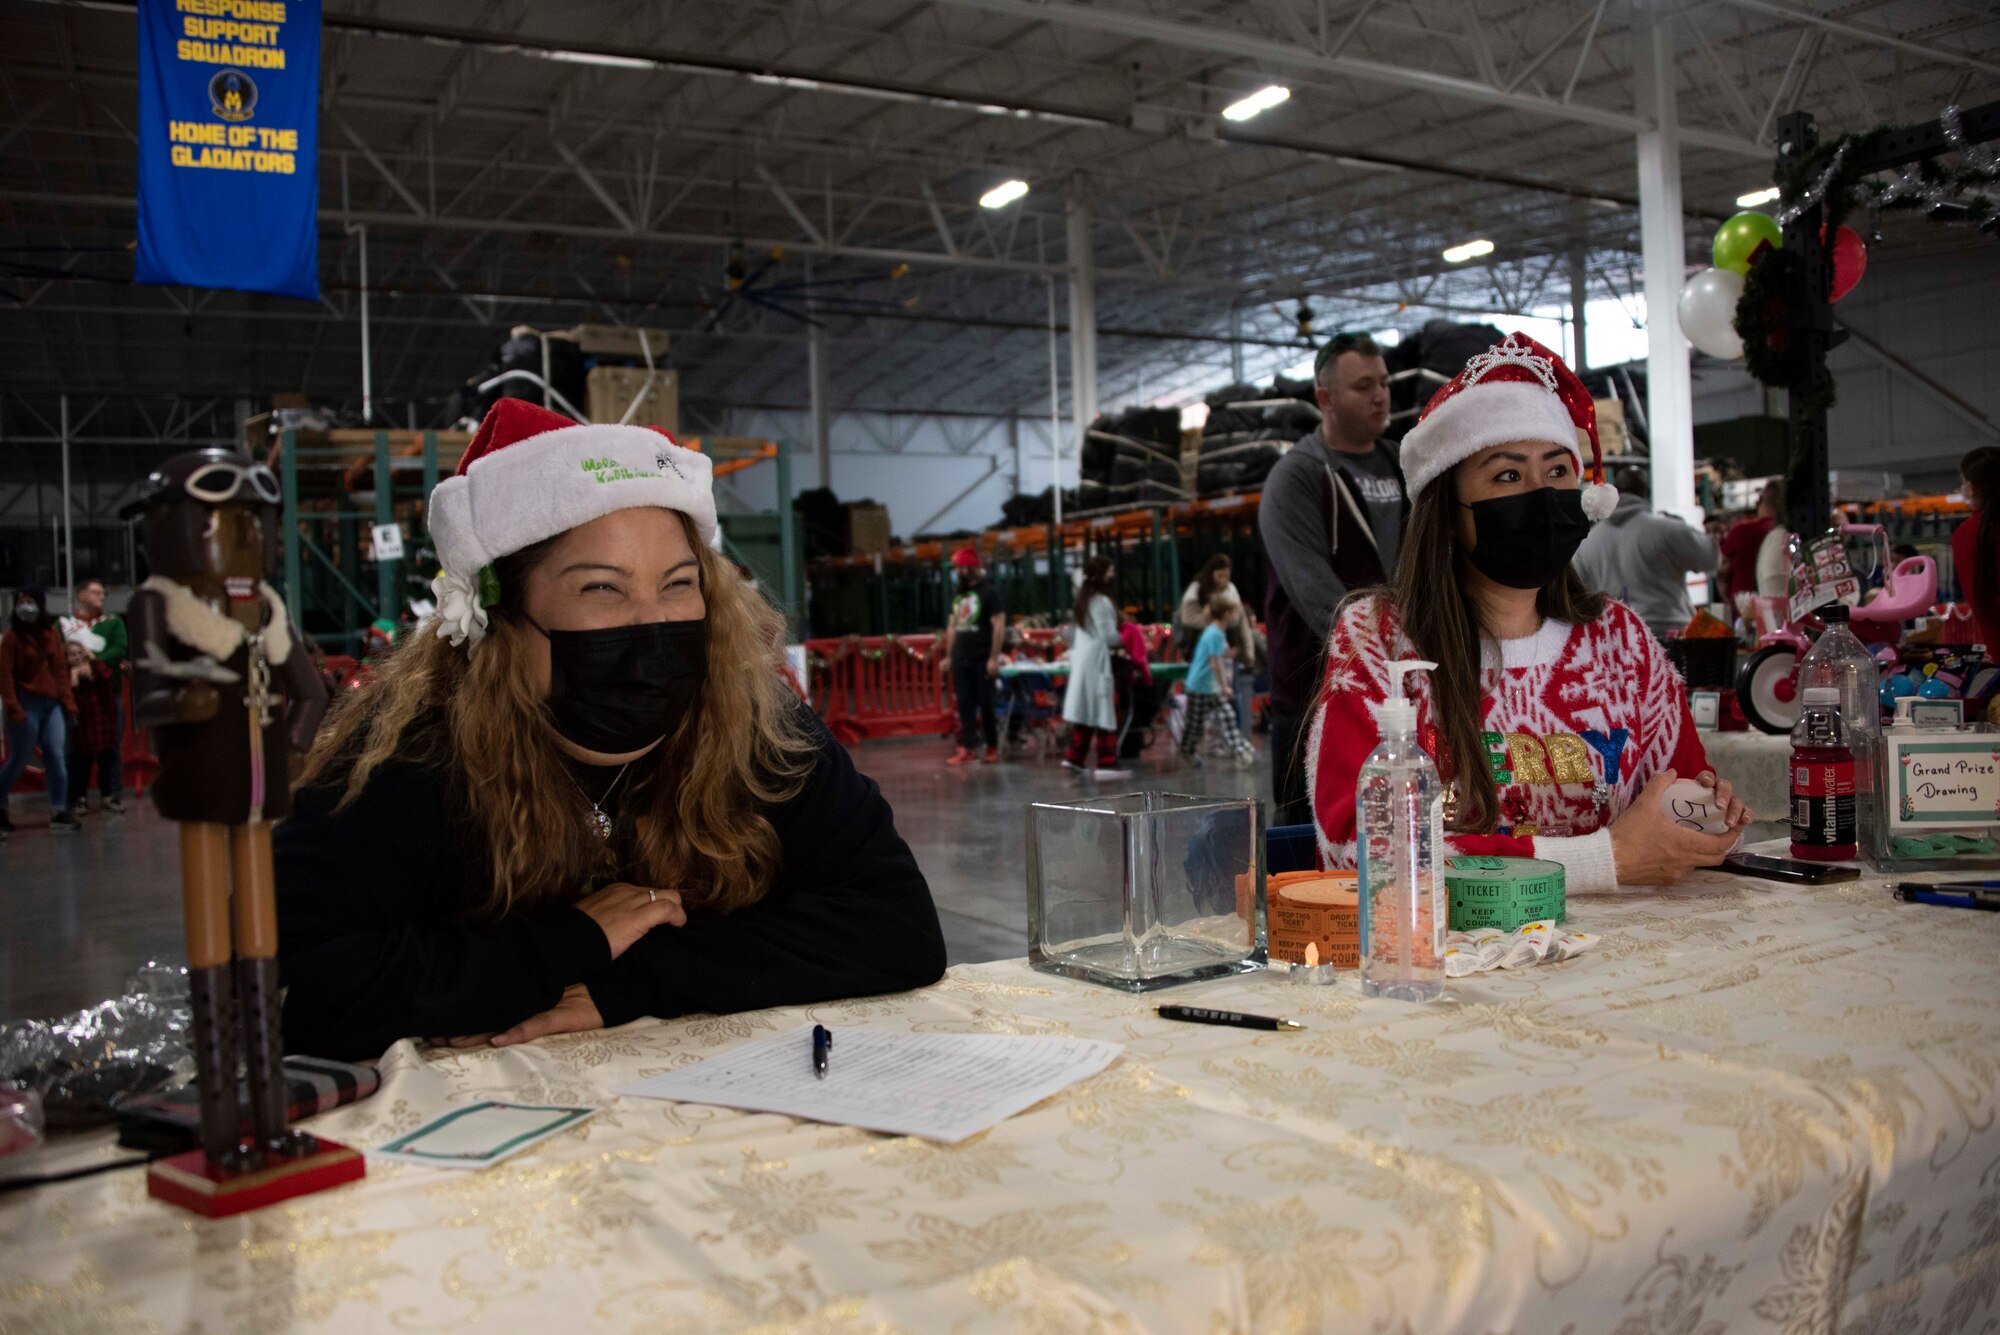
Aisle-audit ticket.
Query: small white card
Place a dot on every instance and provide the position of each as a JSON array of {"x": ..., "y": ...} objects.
[
  {"x": 1706, "y": 707},
  {"x": 481, "y": 1133},
  {"x": 388, "y": 542}
]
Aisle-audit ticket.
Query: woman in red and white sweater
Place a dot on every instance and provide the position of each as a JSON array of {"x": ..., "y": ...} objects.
[{"x": 1554, "y": 716}]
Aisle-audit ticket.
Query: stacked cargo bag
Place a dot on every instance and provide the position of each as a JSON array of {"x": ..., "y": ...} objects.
[
  {"x": 1427, "y": 360},
  {"x": 1131, "y": 457},
  {"x": 1225, "y": 419},
  {"x": 1248, "y": 430}
]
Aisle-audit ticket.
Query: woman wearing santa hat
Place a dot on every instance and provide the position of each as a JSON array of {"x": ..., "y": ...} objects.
[
  {"x": 583, "y": 793},
  {"x": 1554, "y": 716}
]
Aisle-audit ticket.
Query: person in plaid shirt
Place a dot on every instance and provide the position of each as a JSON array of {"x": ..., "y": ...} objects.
[{"x": 94, "y": 683}]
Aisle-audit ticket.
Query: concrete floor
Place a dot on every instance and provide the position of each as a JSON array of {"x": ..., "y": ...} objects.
[{"x": 79, "y": 912}]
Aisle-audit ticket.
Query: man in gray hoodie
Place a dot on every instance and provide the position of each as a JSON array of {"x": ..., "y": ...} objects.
[
  {"x": 1331, "y": 520},
  {"x": 1643, "y": 559}
]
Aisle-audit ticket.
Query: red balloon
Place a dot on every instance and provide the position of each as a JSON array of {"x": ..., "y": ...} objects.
[{"x": 1850, "y": 260}]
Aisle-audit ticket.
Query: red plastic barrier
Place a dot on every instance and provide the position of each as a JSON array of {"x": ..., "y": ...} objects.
[{"x": 881, "y": 686}]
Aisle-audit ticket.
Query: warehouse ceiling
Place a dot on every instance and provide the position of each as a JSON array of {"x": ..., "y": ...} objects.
[{"x": 548, "y": 163}]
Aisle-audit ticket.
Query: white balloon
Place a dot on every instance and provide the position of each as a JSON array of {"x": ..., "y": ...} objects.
[{"x": 1708, "y": 312}]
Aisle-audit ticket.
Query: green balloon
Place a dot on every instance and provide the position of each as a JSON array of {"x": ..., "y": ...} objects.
[{"x": 1737, "y": 240}]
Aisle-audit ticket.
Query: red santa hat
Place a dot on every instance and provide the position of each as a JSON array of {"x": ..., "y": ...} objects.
[
  {"x": 1515, "y": 390},
  {"x": 965, "y": 558},
  {"x": 531, "y": 474}
]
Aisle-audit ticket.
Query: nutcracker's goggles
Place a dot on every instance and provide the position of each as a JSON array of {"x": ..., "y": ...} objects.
[{"x": 219, "y": 482}]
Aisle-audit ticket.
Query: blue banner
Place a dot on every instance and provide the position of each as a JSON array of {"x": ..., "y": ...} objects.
[{"x": 229, "y": 145}]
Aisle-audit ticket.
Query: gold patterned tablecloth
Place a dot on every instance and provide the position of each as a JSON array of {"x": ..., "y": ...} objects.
[{"x": 1753, "y": 1108}]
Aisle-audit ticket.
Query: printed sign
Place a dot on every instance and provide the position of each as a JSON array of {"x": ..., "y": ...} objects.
[
  {"x": 1821, "y": 575},
  {"x": 388, "y": 542},
  {"x": 229, "y": 145},
  {"x": 1944, "y": 781}
]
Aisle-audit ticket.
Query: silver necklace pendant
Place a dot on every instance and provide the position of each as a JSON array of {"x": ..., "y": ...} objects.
[{"x": 600, "y": 824}]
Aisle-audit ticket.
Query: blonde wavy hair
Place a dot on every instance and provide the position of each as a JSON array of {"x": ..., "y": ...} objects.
[{"x": 694, "y": 804}]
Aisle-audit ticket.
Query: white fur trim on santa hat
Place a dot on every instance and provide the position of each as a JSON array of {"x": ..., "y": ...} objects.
[
  {"x": 1477, "y": 417},
  {"x": 536, "y": 488}
]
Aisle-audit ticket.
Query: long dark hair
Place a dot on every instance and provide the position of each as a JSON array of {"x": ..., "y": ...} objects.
[
  {"x": 1981, "y": 468},
  {"x": 1219, "y": 561},
  {"x": 1097, "y": 578},
  {"x": 1442, "y": 621}
]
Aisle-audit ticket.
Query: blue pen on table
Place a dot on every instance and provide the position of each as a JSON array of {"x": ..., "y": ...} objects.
[
  {"x": 822, "y": 1045},
  {"x": 1947, "y": 897}
]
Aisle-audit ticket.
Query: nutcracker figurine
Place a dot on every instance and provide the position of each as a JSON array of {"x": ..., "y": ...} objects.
[{"x": 228, "y": 693}]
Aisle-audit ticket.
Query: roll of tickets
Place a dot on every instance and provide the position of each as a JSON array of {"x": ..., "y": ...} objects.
[
  {"x": 1319, "y": 908},
  {"x": 1502, "y": 893}
]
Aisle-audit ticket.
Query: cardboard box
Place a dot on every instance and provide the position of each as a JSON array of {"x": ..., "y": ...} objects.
[
  {"x": 611, "y": 389},
  {"x": 867, "y": 528},
  {"x": 617, "y": 340},
  {"x": 1611, "y": 437}
]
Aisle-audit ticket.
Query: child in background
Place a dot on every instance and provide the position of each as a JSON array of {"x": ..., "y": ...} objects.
[
  {"x": 95, "y": 686},
  {"x": 1208, "y": 686}
]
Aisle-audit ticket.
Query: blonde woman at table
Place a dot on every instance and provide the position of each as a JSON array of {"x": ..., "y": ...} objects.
[
  {"x": 1553, "y": 713},
  {"x": 1090, "y": 704},
  {"x": 582, "y": 793}
]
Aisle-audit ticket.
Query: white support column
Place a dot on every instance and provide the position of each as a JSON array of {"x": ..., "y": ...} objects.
[
  {"x": 818, "y": 399},
  {"x": 68, "y": 539},
  {"x": 1579, "y": 297},
  {"x": 1669, "y": 390},
  {"x": 1236, "y": 342},
  {"x": 1082, "y": 316},
  {"x": 1055, "y": 411},
  {"x": 368, "y": 361}
]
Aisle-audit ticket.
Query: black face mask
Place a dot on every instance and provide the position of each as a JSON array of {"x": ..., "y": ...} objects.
[
  {"x": 1527, "y": 539},
  {"x": 623, "y": 688}
]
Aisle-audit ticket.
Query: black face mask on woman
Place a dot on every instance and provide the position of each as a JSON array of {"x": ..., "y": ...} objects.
[
  {"x": 1527, "y": 539},
  {"x": 622, "y": 688}
]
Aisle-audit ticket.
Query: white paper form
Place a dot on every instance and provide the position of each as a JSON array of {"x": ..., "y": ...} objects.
[{"x": 941, "y": 1087}]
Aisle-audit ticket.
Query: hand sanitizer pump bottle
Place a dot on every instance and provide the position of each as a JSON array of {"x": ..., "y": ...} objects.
[{"x": 1398, "y": 803}]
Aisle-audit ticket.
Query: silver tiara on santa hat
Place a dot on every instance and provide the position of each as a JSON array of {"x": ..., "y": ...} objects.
[
  {"x": 531, "y": 474},
  {"x": 1515, "y": 390}
]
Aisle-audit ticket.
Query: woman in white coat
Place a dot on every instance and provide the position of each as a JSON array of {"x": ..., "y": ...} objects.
[{"x": 1090, "y": 705}]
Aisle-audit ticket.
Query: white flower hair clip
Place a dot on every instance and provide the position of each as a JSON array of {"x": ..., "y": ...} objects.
[{"x": 461, "y": 607}]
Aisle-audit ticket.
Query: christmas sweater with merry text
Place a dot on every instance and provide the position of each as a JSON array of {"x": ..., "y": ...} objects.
[{"x": 1576, "y": 719}]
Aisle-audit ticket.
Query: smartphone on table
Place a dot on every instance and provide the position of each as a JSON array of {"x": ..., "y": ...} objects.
[{"x": 1792, "y": 871}]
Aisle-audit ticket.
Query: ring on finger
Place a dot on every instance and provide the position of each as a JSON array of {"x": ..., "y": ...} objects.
[{"x": 652, "y": 895}]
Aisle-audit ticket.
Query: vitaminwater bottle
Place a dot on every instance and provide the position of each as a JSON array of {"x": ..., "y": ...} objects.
[{"x": 1822, "y": 780}]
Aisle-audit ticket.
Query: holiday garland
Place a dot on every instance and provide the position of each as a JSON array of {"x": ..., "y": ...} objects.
[{"x": 1828, "y": 177}]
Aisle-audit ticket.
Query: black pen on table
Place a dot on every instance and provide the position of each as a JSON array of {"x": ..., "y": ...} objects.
[
  {"x": 822, "y": 1045},
  {"x": 1233, "y": 1019}
]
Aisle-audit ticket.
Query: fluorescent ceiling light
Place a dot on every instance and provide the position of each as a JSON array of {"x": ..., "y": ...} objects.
[
  {"x": 593, "y": 58},
  {"x": 1471, "y": 250},
  {"x": 1765, "y": 196},
  {"x": 1003, "y": 194},
  {"x": 1260, "y": 101}
]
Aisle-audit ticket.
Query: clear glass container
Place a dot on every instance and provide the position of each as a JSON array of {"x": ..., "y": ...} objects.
[{"x": 1145, "y": 890}]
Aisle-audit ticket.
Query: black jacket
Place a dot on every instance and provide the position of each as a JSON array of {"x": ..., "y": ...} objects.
[{"x": 374, "y": 947}]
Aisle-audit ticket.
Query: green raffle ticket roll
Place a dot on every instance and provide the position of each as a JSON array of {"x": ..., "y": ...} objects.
[{"x": 1502, "y": 892}]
